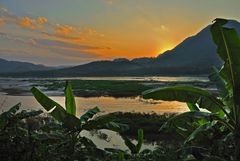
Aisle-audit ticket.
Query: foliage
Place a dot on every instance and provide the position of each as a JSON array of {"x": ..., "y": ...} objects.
[
  {"x": 28, "y": 136},
  {"x": 68, "y": 117},
  {"x": 211, "y": 128},
  {"x": 223, "y": 109},
  {"x": 134, "y": 149}
]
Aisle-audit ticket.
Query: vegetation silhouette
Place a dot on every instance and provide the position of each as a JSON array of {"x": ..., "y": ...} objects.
[
  {"x": 211, "y": 128},
  {"x": 222, "y": 110}
]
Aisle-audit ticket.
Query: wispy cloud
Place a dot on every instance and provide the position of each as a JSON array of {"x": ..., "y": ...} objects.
[
  {"x": 48, "y": 38},
  {"x": 65, "y": 29},
  {"x": 24, "y": 22},
  {"x": 27, "y": 22},
  {"x": 7, "y": 16}
]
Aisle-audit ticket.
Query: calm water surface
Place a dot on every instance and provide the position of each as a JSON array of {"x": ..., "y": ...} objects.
[
  {"x": 160, "y": 79},
  {"x": 106, "y": 104}
]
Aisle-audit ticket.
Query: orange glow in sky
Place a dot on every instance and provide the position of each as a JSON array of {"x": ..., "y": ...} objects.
[{"x": 60, "y": 32}]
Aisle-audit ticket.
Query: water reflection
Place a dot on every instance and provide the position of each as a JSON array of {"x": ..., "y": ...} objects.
[
  {"x": 114, "y": 140},
  {"x": 106, "y": 104}
]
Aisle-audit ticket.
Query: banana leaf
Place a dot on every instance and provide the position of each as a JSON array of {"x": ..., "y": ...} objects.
[
  {"x": 188, "y": 94},
  {"x": 56, "y": 110},
  {"x": 185, "y": 123},
  {"x": 192, "y": 107},
  {"x": 69, "y": 99},
  {"x": 200, "y": 129},
  {"x": 89, "y": 114},
  {"x": 228, "y": 48},
  {"x": 140, "y": 140},
  {"x": 216, "y": 78},
  {"x": 5, "y": 116},
  {"x": 132, "y": 147}
]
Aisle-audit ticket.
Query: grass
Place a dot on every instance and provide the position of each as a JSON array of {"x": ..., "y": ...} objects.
[
  {"x": 97, "y": 88},
  {"x": 113, "y": 88}
]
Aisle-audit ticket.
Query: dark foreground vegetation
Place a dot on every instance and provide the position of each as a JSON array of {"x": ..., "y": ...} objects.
[
  {"x": 209, "y": 132},
  {"x": 150, "y": 123}
]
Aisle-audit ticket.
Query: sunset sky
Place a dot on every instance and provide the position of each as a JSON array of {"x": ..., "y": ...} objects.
[{"x": 71, "y": 32}]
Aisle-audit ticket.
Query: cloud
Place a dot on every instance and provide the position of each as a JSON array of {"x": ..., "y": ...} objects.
[
  {"x": 53, "y": 30},
  {"x": 64, "y": 29},
  {"x": 39, "y": 37},
  {"x": 30, "y": 46},
  {"x": 2, "y": 22},
  {"x": 7, "y": 16},
  {"x": 27, "y": 22},
  {"x": 24, "y": 22},
  {"x": 17, "y": 39},
  {"x": 4, "y": 12},
  {"x": 64, "y": 37},
  {"x": 68, "y": 46},
  {"x": 72, "y": 34}
]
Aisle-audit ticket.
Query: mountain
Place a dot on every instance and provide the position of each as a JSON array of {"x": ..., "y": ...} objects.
[
  {"x": 15, "y": 66},
  {"x": 194, "y": 56}
]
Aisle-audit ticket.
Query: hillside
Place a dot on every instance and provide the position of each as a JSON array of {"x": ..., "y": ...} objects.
[
  {"x": 16, "y": 66},
  {"x": 194, "y": 56}
]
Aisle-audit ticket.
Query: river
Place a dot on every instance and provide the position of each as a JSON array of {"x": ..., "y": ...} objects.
[{"x": 106, "y": 104}]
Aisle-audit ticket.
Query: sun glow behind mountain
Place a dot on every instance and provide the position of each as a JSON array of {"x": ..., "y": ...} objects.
[{"x": 55, "y": 32}]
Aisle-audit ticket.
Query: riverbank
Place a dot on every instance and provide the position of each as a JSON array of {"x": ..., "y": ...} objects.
[{"x": 92, "y": 88}]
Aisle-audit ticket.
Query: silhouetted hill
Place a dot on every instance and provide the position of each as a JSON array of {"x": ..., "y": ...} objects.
[
  {"x": 15, "y": 66},
  {"x": 194, "y": 56}
]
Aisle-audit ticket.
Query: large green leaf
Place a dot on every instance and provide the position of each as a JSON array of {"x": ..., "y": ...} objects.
[
  {"x": 187, "y": 122},
  {"x": 140, "y": 140},
  {"x": 188, "y": 94},
  {"x": 104, "y": 122},
  {"x": 5, "y": 116},
  {"x": 217, "y": 79},
  {"x": 135, "y": 149},
  {"x": 120, "y": 156},
  {"x": 13, "y": 110},
  {"x": 184, "y": 120},
  {"x": 69, "y": 99},
  {"x": 223, "y": 92},
  {"x": 228, "y": 48},
  {"x": 89, "y": 114},
  {"x": 56, "y": 110},
  {"x": 192, "y": 107},
  {"x": 200, "y": 129},
  {"x": 132, "y": 147}
]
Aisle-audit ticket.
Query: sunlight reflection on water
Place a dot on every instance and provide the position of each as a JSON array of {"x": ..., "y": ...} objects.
[{"x": 106, "y": 104}]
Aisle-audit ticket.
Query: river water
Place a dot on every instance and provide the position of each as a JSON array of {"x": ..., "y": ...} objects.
[{"x": 106, "y": 104}]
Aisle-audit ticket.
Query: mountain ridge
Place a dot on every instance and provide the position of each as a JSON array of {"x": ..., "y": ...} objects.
[
  {"x": 7, "y": 66},
  {"x": 193, "y": 56}
]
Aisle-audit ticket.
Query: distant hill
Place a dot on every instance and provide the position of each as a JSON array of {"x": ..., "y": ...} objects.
[
  {"x": 16, "y": 66},
  {"x": 194, "y": 56}
]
